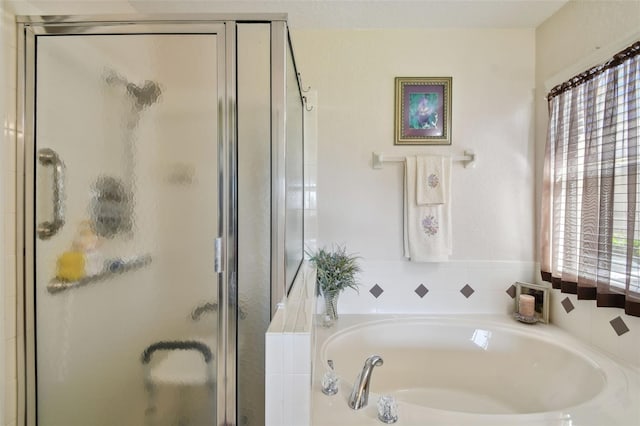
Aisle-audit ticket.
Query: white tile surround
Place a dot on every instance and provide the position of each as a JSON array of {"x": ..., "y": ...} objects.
[
  {"x": 489, "y": 280},
  {"x": 291, "y": 339},
  {"x": 593, "y": 325},
  {"x": 289, "y": 346}
]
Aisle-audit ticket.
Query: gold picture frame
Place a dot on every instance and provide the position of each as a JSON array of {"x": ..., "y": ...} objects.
[{"x": 423, "y": 110}]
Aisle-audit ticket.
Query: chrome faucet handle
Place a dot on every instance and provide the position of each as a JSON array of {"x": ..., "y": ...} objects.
[
  {"x": 330, "y": 380},
  {"x": 330, "y": 383},
  {"x": 387, "y": 409}
]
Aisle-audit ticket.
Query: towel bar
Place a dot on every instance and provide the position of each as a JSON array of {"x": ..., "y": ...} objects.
[{"x": 468, "y": 159}]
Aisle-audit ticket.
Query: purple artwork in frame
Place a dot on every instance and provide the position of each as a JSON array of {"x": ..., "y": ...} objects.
[{"x": 423, "y": 111}]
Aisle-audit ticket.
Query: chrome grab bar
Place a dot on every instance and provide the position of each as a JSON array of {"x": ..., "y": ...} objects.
[
  {"x": 199, "y": 311},
  {"x": 183, "y": 345},
  {"x": 202, "y": 309},
  {"x": 179, "y": 345},
  {"x": 46, "y": 229}
]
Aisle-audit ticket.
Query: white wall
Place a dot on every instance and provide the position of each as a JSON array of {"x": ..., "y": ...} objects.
[
  {"x": 493, "y": 204},
  {"x": 8, "y": 377},
  {"x": 7, "y": 214},
  {"x": 570, "y": 41}
]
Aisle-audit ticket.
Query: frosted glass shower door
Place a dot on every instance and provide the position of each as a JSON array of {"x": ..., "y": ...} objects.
[{"x": 126, "y": 211}]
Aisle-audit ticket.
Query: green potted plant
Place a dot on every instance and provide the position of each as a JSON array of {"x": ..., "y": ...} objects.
[{"x": 336, "y": 271}]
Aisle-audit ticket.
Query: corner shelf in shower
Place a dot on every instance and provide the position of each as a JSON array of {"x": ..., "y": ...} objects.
[{"x": 115, "y": 268}]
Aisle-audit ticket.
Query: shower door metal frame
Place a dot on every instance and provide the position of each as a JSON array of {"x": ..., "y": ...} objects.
[
  {"x": 278, "y": 162},
  {"x": 224, "y": 26}
]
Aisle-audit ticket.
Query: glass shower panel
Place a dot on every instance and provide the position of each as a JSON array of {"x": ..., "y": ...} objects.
[
  {"x": 294, "y": 176},
  {"x": 126, "y": 212},
  {"x": 254, "y": 216}
]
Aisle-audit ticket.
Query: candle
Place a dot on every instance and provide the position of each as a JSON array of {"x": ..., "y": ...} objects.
[{"x": 526, "y": 305}]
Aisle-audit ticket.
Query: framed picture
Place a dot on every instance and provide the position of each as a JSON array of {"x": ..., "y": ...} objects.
[
  {"x": 423, "y": 111},
  {"x": 540, "y": 301}
]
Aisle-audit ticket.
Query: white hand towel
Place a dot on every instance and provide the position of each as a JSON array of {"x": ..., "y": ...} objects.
[
  {"x": 430, "y": 180},
  {"x": 427, "y": 229}
]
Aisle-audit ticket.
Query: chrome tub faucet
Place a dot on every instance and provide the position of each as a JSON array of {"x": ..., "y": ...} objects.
[{"x": 360, "y": 394}]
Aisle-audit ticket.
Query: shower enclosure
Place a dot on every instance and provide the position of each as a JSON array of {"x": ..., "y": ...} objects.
[{"x": 162, "y": 215}]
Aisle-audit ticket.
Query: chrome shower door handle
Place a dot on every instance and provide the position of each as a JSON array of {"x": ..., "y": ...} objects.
[{"x": 46, "y": 229}]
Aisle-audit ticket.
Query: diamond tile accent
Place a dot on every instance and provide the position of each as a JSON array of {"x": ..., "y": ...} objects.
[
  {"x": 567, "y": 305},
  {"x": 376, "y": 290},
  {"x": 511, "y": 291},
  {"x": 421, "y": 290},
  {"x": 467, "y": 291},
  {"x": 619, "y": 326}
]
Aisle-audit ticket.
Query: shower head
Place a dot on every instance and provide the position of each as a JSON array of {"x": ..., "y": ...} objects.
[
  {"x": 143, "y": 96},
  {"x": 146, "y": 95}
]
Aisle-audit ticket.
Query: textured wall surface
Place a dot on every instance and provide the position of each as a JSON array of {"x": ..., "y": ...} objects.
[{"x": 493, "y": 79}]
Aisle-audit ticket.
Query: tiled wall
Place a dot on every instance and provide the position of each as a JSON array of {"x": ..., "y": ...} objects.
[
  {"x": 486, "y": 287},
  {"x": 452, "y": 287},
  {"x": 606, "y": 328},
  {"x": 289, "y": 351},
  {"x": 8, "y": 214}
]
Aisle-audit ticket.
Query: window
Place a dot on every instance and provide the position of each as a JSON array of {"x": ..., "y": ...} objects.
[{"x": 590, "y": 236}]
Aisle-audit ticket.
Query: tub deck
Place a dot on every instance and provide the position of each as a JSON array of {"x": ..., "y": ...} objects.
[{"x": 608, "y": 397}]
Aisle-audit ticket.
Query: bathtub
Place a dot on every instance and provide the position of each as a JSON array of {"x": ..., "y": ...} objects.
[{"x": 473, "y": 370}]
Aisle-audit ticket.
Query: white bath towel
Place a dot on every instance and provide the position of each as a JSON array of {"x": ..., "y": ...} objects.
[
  {"x": 427, "y": 229},
  {"x": 430, "y": 181}
]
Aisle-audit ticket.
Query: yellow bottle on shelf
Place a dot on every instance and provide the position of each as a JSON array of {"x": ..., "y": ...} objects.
[
  {"x": 70, "y": 266},
  {"x": 87, "y": 243}
]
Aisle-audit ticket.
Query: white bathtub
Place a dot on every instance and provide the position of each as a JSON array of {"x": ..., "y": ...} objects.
[{"x": 474, "y": 370}]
